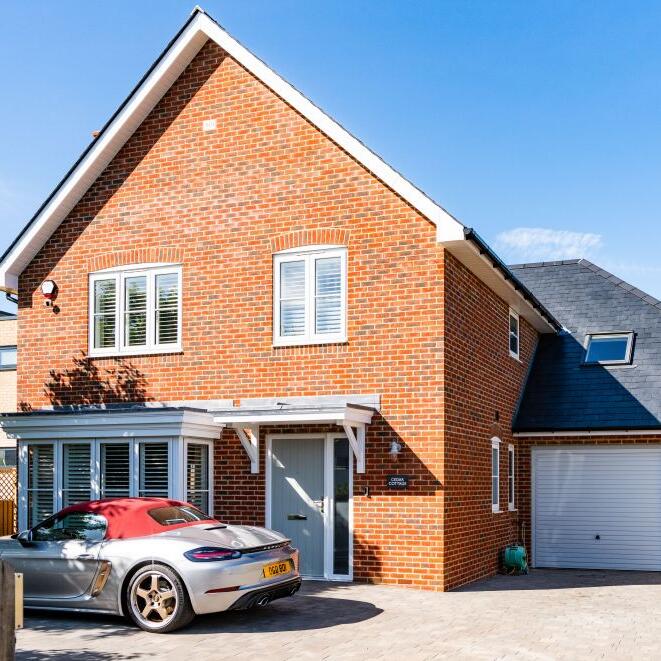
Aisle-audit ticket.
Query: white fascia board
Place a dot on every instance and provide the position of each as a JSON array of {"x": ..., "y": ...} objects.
[
  {"x": 340, "y": 416},
  {"x": 61, "y": 426},
  {"x": 178, "y": 57},
  {"x": 588, "y": 434}
]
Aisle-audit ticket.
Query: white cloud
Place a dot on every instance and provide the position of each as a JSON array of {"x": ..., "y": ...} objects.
[{"x": 538, "y": 244}]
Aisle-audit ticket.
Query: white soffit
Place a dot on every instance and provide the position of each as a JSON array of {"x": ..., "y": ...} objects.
[
  {"x": 469, "y": 255},
  {"x": 178, "y": 56}
]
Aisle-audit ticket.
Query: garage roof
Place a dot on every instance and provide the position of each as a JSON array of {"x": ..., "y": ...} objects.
[{"x": 563, "y": 394}]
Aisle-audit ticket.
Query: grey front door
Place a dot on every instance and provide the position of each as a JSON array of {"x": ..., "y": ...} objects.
[{"x": 297, "y": 497}]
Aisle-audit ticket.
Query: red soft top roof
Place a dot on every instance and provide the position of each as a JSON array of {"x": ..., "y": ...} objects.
[{"x": 129, "y": 517}]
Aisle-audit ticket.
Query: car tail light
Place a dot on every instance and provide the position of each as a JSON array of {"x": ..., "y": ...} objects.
[{"x": 211, "y": 554}]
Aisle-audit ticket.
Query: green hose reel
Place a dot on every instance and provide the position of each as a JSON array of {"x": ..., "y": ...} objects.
[{"x": 515, "y": 559}]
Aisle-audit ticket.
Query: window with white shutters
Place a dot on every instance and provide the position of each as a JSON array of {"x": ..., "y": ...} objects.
[
  {"x": 154, "y": 470},
  {"x": 41, "y": 482},
  {"x": 310, "y": 296},
  {"x": 76, "y": 473},
  {"x": 197, "y": 476},
  {"x": 136, "y": 310},
  {"x": 495, "y": 475},
  {"x": 115, "y": 470}
]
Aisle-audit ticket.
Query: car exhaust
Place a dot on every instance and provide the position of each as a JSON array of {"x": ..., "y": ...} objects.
[{"x": 264, "y": 600}]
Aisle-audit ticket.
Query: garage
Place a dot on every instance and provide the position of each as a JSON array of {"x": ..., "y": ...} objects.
[{"x": 597, "y": 507}]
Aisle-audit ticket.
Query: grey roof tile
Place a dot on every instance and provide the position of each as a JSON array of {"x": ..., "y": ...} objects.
[{"x": 561, "y": 393}]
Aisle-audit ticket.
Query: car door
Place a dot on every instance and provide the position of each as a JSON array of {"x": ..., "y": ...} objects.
[{"x": 60, "y": 559}]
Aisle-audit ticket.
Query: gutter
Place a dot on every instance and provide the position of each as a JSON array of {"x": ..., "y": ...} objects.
[{"x": 471, "y": 235}]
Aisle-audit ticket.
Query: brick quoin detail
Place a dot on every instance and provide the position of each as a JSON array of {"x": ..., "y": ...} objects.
[{"x": 423, "y": 332}]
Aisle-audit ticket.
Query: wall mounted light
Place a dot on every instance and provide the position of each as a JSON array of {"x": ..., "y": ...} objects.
[
  {"x": 395, "y": 449},
  {"x": 49, "y": 291}
]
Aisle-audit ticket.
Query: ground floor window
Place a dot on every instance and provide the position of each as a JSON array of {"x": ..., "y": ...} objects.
[
  {"x": 60, "y": 474},
  {"x": 495, "y": 474}
]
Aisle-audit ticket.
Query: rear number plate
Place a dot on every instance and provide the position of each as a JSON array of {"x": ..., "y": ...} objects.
[{"x": 277, "y": 569}]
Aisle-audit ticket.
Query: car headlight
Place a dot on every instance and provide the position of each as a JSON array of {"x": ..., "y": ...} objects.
[{"x": 211, "y": 554}]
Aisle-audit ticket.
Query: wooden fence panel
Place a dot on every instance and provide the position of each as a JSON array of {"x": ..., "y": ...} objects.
[{"x": 7, "y": 501}]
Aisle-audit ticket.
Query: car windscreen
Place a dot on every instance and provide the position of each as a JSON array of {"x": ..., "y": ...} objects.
[{"x": 177, "y": 514}]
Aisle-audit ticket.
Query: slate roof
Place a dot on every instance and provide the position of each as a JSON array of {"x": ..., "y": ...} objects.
[{"x": 561, "y": 393}]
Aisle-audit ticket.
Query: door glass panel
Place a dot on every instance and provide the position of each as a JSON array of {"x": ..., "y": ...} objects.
[
  {"x": 40, "y": 483},
  {"x": 76, "y": 475},
  {"x": 197, "y": 476},
  {"x": 154, "y": 470},
  {"x": 341, "y": 475},
  {"x": 115, "y": 470}
]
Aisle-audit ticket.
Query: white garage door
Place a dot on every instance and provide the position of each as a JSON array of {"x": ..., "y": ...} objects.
[{"x": 597, "y": 507}]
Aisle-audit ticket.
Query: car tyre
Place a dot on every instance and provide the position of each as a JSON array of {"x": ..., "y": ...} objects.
[{"x": 157, "y": 600}]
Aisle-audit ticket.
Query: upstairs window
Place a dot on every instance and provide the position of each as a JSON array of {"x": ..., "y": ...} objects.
[
  {"x": 514, "y": 334},
  {"x": 608, "y": 348},
  {"x": 135, "y": 310},
  {"x": 310, "y": 296}
]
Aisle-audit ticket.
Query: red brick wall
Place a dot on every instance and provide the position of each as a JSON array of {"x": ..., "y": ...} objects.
[
  {"x": 524, "y": 465},
  {"x": 481, "y": 381},
  {"x": 221, "y": 203}
]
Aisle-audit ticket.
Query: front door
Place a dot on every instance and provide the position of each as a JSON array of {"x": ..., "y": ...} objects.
[{"x": 297, "y": 497}]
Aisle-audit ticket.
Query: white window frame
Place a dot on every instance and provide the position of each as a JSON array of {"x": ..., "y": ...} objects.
[
  {"x": 628, "y": 351},
  {"x": 511, "y": 478},
  {"x": 150, "y": 271},
  {"x": 495, "y": 473},
  {"x": 514, "y": 315},
  {"x": 309, "y": 255},
  {"x": 209, "y": 446}
]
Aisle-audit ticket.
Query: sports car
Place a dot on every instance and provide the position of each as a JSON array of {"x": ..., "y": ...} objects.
[{"x": 155, "y": 560}]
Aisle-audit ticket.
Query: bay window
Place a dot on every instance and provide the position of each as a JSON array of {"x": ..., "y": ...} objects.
[
  {"x": 135, "y": 310},
  {"x": 310, "y": 296}
]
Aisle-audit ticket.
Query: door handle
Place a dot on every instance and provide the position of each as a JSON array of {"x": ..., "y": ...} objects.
[
  {"x": 297, "y": 517},
  {"x": 84, "y": 556}
]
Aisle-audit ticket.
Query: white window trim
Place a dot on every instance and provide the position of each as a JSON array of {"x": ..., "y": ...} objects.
[
  {"x": 495, "y": 445},
  {"x": 628, "y": 351},
  {"x": 151, "y": 271},
  {"x": 511, "y": 476},
  {"x": 209, "y": 446},
  {"x": 309, "y": 254},
  {"x": 516, "y": 355}
]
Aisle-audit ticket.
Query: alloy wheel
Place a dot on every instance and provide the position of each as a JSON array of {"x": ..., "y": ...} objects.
[{"x": 154, "y": 599}]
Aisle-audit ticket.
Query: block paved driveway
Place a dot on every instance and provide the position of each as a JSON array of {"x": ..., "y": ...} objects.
[{"x": 551, "y": 614}]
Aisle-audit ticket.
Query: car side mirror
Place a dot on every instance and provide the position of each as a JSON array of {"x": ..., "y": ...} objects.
[{"x": 25, "y": 538}]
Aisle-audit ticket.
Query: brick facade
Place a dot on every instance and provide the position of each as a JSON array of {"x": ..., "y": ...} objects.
[{"x": 423, "y": 332}]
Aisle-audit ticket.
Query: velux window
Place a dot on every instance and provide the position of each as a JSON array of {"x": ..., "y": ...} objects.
[
  {"x": 310, "y": 294},
  {"x": 135, "y": 310},
  {"x": 608, "y": 348}
]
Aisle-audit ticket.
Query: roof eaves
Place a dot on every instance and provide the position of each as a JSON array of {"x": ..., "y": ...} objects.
[{"x": 471, "y": 235}]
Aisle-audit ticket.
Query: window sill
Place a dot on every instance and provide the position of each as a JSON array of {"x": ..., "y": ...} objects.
[
  {"x": 278, "y": 344},
  {"x": 516, "y": 356},
  {"x": 512, "y": 509},
  {"x": 152, "y": 351},
  {"x": 496, "y": 511}
]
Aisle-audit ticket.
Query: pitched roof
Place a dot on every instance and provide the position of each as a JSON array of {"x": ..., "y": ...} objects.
[
  {"x": 178, "y": 54},
  {"x": 562, "y": 394}
]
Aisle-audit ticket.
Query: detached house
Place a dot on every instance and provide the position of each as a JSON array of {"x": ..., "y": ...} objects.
[{"x": 231, "y": 300}]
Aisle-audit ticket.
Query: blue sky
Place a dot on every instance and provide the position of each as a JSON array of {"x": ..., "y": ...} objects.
[{"x": 537, "y": 123}]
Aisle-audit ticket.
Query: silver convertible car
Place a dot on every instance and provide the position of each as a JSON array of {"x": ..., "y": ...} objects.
[{"x": 158, "y": 561}]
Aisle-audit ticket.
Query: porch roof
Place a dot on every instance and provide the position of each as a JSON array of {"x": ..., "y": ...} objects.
[{"x": 342, "y": 414}]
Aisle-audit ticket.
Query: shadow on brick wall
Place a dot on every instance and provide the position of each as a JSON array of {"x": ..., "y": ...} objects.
[{"x": 87, "y": 384}]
